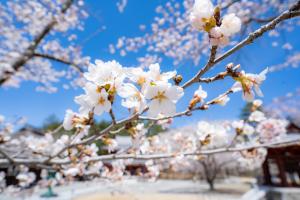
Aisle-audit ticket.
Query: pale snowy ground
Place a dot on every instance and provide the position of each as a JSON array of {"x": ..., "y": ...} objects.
[{"x": 133, "y": 189}]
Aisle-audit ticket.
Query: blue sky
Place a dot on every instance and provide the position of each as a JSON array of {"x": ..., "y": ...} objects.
[{"x": 36, "y": 106}]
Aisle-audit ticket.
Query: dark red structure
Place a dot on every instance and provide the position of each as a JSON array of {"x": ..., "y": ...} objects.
[{"x": 282, "y": 165}]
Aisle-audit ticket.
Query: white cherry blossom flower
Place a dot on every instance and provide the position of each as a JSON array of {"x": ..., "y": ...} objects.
[
  {"x": 257, "y": 116},
  {"x": 155, "y": 74},
  {"x": 248, "y": 129},
  {"x": 238, "y": 124},
  {"x": 212, "y": 135},
  {"x": 68, "y": 123},
  {"x": 93, "y": 168},
  {"x": 257, "y": 103},
  {"x": 202, "y": 13},
  {"x": 106, "y": 73},
  {"x": 200, "y": 93},
  {"x": 134, "y": 99},
  {"x": 73, "y": 171},
  {"x": 231, "y": 24},
  {"x": 96, "y": 99},
  {"x": 137, "y": 75},
  {"x": 271, "y": 129},
  {"x": 73, "y": 120},
  {"x": 246, "y": 82},
  {"x": 217, "y": 38},
  {"x": 25, "y": 178},
  {"x": 163, "y": 98},
  {"x": 111, "y": 144},
  {"x": 92, "y": 150}
]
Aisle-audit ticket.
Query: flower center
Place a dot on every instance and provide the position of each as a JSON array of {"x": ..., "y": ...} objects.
[
  {"x": 101, "y": 101},
  {"x": 160, "y": 96},
  {"x": 141, "y": 80}
]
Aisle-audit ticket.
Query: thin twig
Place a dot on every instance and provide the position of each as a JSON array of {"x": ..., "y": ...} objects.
[
  {"x": 112, "y": 115},
  {"x": 50, "y": 57},
  {"x": 258, "y": 33},
  {"x": 188, "y": 112},
  {"x": 208, "y": 65},
  {"x": 293, "y": 12},
  {"x": 276, "y": 144}
]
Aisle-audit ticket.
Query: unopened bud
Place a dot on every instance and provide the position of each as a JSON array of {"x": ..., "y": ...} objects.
[
  {"x": 217, "y": 15},
  {"x": 205, "y": 107},
  {"x": 128, "y": 125},
  {"x": 193, "y": 102},
  {"x": 229, "y": 66},
  {"x": 177, "y": 79}
]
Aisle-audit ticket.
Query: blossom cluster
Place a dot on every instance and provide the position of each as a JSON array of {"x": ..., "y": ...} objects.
[
  {"x": 170, "y": 35},
  {"x": 246, "y": 82},
  {"x": 22, "y": 23},
  {"x": 257, "y": 129},
  {"x": 139, "y": 89},
  {"x": 207, "y": 18}
]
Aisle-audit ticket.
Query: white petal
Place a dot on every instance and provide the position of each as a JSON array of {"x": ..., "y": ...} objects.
[
  {"x": 237, "y": 86},
  {"x": 154, "y": 108},
  {"x": 174, "y": 93},
  {"x": 167, "y": 107},
  {"x": 248, "y": 96},
  {"x": 98, "y": 110},
  {"x": 168, "y": 75},
  {"x": 107, "y": 106},
  {"x": 127, "y": 90},
  {"x": 151, "y": 91},
  {"x": 258, "y": 91}
]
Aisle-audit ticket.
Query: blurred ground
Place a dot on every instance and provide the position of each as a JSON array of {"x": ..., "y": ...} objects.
[{"x": 133, "y": 189}]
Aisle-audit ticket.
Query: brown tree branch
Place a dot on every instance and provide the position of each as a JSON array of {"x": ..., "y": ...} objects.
[
  {"x": 29, "y": 52},
  {"x": 208, "y": 65},
  {"x": 258, "y": 33},
  {"x": 188, "y": 112},
  {"x": 50, "y": 57},
  {"x": 275, "y": 144},
  {"x": 291, "y": 13}
]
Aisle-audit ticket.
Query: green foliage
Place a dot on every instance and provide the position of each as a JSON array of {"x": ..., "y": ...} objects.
[
  {"x": 246, "y": 111},
  {"x": 154, "y": 129},
  {"x": 51, "y": 123}
]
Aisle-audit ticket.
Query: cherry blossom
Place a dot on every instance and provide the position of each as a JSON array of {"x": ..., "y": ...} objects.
[
  {"x": 134, "y": 99},
  {"x": 257, "y": 116},
  {"x": 110, "y": 74},
  {"x": 25, "y": 177},
  {"x": 141, "y": 89},
  {"x": 156, "y": 75},
  {"x": 111, "y": 144},
  {"x": 163, "y": 98},
  {"x": 202, "y": 15},
  {"x": 231, "y": 24},
  {"x": 73, "y": 120},
  {"x": 271, "y": 129},
  {"x": 246, "y": 82}
]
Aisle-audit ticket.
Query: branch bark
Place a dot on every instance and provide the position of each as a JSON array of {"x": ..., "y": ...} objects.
[
  {"x": 50, "y": 57},
  {"x": 29, "y": 53},
  {"x": 208, "y": 65},
  {"x": 35, "y": 162},
  {"x": 291, "y": 13}
]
